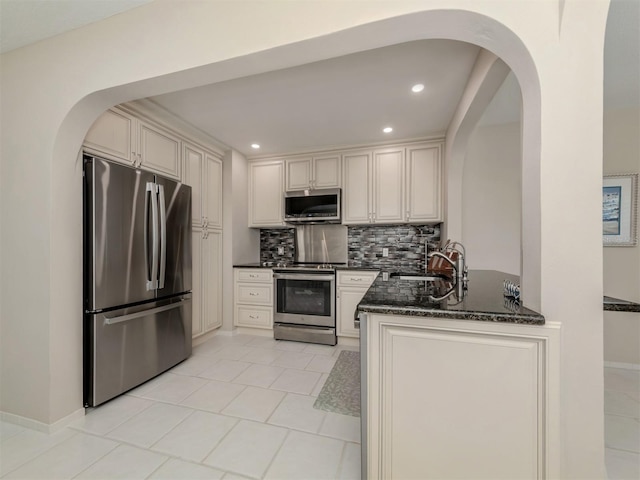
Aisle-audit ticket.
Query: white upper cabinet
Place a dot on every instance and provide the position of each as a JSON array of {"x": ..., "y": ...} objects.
[
  {"x": 357, "y": 188},
  {"x": 212, "y": 185},
  {"x": 193, "y": 166},
  {"x": 127, "y": 139},
  {"x": 159, "y": 150},
  {"x": 266, "y": 194},
  {"x": 203, "y": 172},
  {"x": 298, "y": 173},
  {"x": 312, "y": 172},
  {"x": 423, "y": 170},
  {"x": 395, "y": 184},
  {"x": 373, "y": 186},
  {"x": 388, "y": 179},
  {"x": 114, "y": 136}
]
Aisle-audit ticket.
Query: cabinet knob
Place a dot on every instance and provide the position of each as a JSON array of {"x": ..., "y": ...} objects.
[{"x": 356, "y": 279}]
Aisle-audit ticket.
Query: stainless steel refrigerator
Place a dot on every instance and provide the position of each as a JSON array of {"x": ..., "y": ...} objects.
[{"x": 137, "y": 277}]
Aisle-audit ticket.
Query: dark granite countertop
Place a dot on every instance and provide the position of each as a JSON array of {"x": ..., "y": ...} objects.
[
  {"x": 616, "y": 305},
  {"x": 483, "y": 300},
  {"x": 284, "y": 265},
  {"x": 253, "y": 265}
]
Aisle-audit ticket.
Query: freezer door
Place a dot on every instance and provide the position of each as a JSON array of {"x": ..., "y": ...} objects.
[
  {"x": 118, "y": 234},
  {"x": 174, "y": 271},
  {"x": 127, "y": 347}
]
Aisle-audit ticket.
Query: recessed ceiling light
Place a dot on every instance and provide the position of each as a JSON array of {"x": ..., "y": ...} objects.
[
  {"x": 387, "y": 129},
  {"x": 417, "y": 88},
  {"x": 255, "y": 146}
]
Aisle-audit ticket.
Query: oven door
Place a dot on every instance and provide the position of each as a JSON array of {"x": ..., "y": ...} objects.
[{"x": 305, "y": 299}]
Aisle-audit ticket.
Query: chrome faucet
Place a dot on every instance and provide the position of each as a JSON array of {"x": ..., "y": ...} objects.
[{"x": 458, "y": 264}]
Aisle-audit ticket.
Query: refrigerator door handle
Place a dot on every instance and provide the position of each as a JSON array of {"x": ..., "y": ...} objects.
[
  {"x": 148, "y": 196},
  {"x": 152, "y": 282},
  {"x": 163, "y": 236},
  {"x": 144, "y": 313}
]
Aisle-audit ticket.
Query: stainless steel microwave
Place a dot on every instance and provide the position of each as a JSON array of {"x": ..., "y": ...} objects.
[{"x": 312, "y": 206}]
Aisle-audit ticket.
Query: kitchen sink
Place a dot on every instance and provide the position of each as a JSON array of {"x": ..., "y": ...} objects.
[{"x": 417, "y": 277}]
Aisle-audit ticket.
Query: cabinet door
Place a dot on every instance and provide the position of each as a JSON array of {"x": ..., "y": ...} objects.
[
  {"x": 347, "y": 300},
  {"x": 193, "y": 163},
  {"x": 424, "y": 183},
  {"x": 326, "y": 172},
  {"x": 298, "y": 173},
  {"x": 212, "y": 276},
  {"x": 159, "y": 151},
  {"x": 197, "y": 285},
  {"x": 435, "y": 392},
  {"x": 356, "y": 193},
  {"x": 388, "y": 188},
  {"x": 266, "y": 181},
  {"x": 112, "y": 134},
  {"x": 213, "y": 191}
]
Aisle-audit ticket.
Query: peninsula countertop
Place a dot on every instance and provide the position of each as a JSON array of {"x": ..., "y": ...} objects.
[
  {"x": 483, "y": 300},
  {"x": 617, "y": 305}
]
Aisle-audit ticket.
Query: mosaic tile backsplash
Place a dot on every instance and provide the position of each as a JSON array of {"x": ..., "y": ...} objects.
[
  {"x": 407, "y": 245},
  {"x": 271, "y": 239}
]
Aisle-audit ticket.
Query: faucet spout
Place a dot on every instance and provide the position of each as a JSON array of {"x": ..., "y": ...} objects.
[{"x": 458, "y": 264}]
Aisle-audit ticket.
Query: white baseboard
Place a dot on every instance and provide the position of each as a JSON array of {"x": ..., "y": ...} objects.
[
  {"x": 41, "y": 426},
  {"x": 627, "y": 366},
  {"x": 349, "y": 341}
]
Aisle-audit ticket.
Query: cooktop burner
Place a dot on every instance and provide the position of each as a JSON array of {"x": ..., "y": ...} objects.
[{"x": 307, "y": 267}]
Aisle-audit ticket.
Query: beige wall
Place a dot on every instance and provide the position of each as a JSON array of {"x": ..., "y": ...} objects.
[
  {"x": 52, "y": 92},
  {"x": 492, "y": 198},
  {"x": 622, "y": 264}
]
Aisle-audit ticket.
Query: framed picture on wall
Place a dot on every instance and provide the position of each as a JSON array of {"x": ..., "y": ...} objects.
[{"x": 620, "y": 210}]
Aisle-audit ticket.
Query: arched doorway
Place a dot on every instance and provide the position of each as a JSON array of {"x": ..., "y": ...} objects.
[{"x": 152, "y": 57}]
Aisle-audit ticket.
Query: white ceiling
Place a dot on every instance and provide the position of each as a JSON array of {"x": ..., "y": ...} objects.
[{"x": 342, "y": 101}]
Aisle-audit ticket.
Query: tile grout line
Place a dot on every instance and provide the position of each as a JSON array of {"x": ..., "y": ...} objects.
[
  {"x": 97, "y": 460},
  {"x": 284, "y": 440},
  {"x": 38, "y": 455}
]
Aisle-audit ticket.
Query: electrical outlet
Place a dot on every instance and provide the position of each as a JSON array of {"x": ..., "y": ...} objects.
[
  {"x": 280, "y": 250},
  {"x": 385, "y": 252}
]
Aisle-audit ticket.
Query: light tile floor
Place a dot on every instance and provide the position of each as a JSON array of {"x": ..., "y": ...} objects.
[
  {"x": 622, "y": 423},
  {"x": 240, "y": 407}
]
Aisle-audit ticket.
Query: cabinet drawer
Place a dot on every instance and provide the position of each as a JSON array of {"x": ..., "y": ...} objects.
[
  {"x": 256, "y": 317},
  {"x": 361, "y": 279},
  {"x": 254, "y": 294},
  {"x": 258, "y": 275}
]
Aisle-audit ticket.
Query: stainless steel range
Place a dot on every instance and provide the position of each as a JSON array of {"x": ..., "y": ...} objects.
[{"x": 305, "y": 291}]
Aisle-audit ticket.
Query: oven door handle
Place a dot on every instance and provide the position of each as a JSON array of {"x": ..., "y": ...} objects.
[{"x": 299, "y": 276}]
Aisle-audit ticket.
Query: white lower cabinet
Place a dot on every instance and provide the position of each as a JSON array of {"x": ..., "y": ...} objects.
[
  {"x": 253, "y": 298},
  {"x": 351, "y": 286},
  {"x": 456, "y": 399},
  {"x": 207, "y": 281}
]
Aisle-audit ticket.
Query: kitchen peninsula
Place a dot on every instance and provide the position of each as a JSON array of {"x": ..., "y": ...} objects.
[
  {"x": 460, "y": 387},
  {"x": 482, "y": 301}
]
